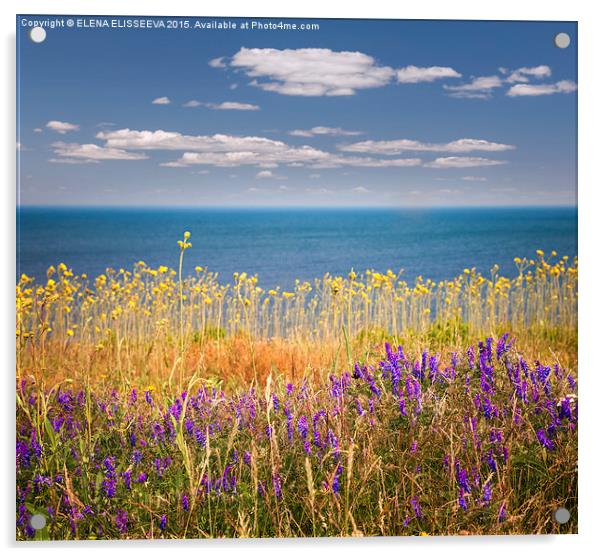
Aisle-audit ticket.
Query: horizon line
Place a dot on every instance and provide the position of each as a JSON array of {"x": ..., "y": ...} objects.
[{"x": 294, "y": 207}]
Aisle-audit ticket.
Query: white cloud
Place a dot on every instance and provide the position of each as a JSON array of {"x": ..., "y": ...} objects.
[
  {"x": 523, "y": 89},
  {"x": 522, "y": 75},
  {"x": 319, "y": 190},
  {"x": 398, "y": 146},
  {"x": 268, "y": 190},
  {"x": 414, "y": 74},
  {"x": 479, "y": 87},
  {"x": 174, "y": 141},
  {"x": 37, "y": 130},
  {"x": 473, "y": 178},
  {"x": 462, "y": 162},
  {"x": 162, "y": 100},
  {"x": 217, "y": 63},
  {"x": 72, "y": 161},
  {"x": 91, "y": 152},
  {"x": 322, "y": 130},
  {"x": 333, "y": 161},
  {"x": 268, "y": 174},
  {"x": 304, "y": 156},
  {"x": 232, "y": 106},
  {"x": 61, "y": 127},
  {"x": 361, "y": 189},
  {"x": 191, "y": 104},
  {"x": 311, "y": 71},
  {"x": 229, "y": 150}
]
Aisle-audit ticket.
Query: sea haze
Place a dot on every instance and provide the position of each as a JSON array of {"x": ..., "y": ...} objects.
[{"x": 283, "y": 244}]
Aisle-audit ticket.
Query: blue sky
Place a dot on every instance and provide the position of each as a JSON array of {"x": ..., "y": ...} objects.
[{"x": 355, "y": 113}]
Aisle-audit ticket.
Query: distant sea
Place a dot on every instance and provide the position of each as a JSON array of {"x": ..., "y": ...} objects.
[{"x": 283, "y": 244}]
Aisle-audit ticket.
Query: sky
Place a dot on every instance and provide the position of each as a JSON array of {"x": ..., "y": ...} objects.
[{"x": 352, "y": 113}]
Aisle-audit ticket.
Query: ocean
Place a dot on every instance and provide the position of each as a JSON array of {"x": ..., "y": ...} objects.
[{"x": 281, "y": 245}]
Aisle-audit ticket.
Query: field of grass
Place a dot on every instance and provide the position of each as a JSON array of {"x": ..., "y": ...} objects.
[{"x": 156, "y": 405}]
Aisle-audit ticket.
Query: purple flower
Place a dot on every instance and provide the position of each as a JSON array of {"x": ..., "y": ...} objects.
[
  {"x": 303, "y": 427},
  {"x": 416, "y": 507},
  {"x": 486, "y": 493},
  {"x": 109, "y": 465},
  {"x": 163, "y": 522},
  {"x": 571, "y": 382},
  {"x": 462, "y": 500},
  {"x": 462, "y": 478},
  {"x": 471, "y": 357},
  {"x": 336, "y": 486},
  {"x": 544, "y": 440},
  {"x": 185, "y": 503},
  {"x": 121, "y": 520},
  {"x": 110, "y": 487},
  {"x": 277, "y": 482},
  {"x": 503, "y": 346}
]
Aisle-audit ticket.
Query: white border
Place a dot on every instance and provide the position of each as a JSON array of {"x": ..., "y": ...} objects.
[{"x": 590, "y": 89}]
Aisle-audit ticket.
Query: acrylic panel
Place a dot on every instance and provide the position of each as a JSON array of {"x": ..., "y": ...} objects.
[{"x": 295, "y": 278}]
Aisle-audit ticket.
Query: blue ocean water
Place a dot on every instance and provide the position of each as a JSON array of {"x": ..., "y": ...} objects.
[{"x": 283, "y": 244}]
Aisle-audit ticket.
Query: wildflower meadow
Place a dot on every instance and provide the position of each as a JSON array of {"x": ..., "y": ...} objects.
[{"x": 153, "y": 404}]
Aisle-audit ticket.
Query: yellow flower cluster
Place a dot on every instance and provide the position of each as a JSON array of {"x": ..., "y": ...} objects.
[{"x": 144, "y": 302}]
